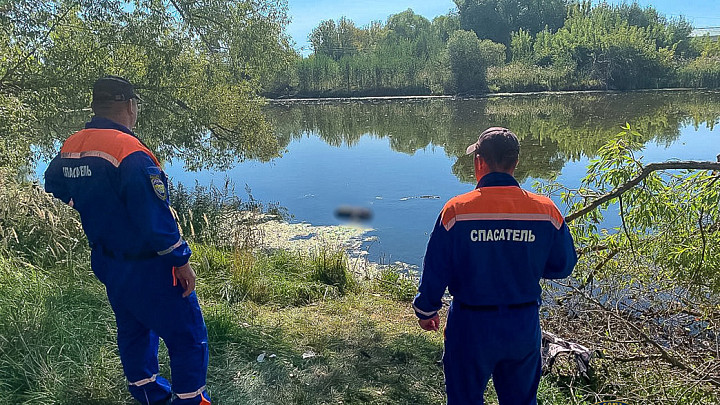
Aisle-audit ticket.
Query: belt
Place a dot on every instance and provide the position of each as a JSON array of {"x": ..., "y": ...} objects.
[
  {"x": 496, "y": 307},
  {"x": 126, "y": 256}
]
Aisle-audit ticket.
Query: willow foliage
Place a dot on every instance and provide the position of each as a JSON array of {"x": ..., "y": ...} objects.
[
  {"x": 198, "y": 65},
  {"x": 670, "y": 222}
]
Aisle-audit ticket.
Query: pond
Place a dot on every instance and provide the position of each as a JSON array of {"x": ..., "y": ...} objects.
[{"x": 403, "y": 159}]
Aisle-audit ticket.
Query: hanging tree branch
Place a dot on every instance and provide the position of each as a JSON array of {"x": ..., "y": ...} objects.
[
  {"x": 188, "y": 16},
  {"x": 652, "y": 167},
  {"x": 11, "y": 71}
]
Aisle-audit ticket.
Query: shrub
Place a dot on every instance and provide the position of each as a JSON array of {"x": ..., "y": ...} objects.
[
  {"x": 395, "y": 284},
  {"x": 520, "y": 77}
]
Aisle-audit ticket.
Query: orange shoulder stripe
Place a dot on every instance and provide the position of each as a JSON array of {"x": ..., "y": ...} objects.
[
  {"x": 501, "y": 203},
  {"x": 109, "y": 144}
]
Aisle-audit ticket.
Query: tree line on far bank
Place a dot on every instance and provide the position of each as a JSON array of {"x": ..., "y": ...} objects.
[{"x": 503, "y": 45}]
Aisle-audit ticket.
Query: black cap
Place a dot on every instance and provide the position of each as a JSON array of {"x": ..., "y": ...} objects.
[
  {"x": 497, "y": 144},
  {"x": 113, "y": 88}
]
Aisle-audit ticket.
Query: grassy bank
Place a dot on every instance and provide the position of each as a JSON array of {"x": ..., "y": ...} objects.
[
  {"x": 322, "y": 345},
  {"x": 329, "y": 336},
  {"x": 326, "y": 333}
]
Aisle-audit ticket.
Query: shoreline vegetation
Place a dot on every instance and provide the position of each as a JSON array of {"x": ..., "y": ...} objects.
[
  {"x": 491, "y": 46},
  {"x": 485, "y": 95}
]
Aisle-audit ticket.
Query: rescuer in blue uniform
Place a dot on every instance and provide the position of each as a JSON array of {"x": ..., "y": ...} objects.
[
  {"x": 116, "y": 184},
  {"x": 490, "y": 248}
]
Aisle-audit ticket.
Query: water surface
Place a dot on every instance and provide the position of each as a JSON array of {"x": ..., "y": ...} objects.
[{"x": 392, "y": 156}]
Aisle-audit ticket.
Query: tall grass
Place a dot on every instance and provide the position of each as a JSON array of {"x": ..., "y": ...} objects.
[
  {"x": 36, "y": 228},
  {"x": 391, "y": 282},
  {"x": 282, "y": 278},
  {"x": 55, "y": 323},
  {"x": 232, "y": 269},
  {"x": 524, "y": 77},
  {"x": 217, "y": 215},
  {"x": 700, "y": 73},
  {"x": 56, "y": 340}
]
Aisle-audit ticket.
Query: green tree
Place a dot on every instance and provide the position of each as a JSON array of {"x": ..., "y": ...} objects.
[
  {"x": 324, "y": 39},
  {"x": 369, "y": 36},
  {"x": 335, "y": 39},
  {"x": 497, "y": 19},
  {"x": 601, "y": 44},
  {"x": 466, "y": 62},
  {"x": 551, "y": 45},
  {"x": 491, "y": 53},
  {"x": 521, "y": 46},
  {"x": 444, "y": 25},
  {"x": 485, "y": 19},
  {"x": 199, "y": 66},
  {"x": 408, "y": 25}
]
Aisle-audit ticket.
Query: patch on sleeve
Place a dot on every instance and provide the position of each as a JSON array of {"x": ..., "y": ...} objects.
[{"x": 158, "y": 186}]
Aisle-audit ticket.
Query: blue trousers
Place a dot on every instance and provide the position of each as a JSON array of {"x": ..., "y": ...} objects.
[
  {"x": 147, "y": 307},
  {"x": 503, "y": 343}
]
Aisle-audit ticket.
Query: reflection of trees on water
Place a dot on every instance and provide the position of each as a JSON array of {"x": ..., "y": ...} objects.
[
  {"x": 552, "y": 128},
  {"x": 171, "y": 135}
]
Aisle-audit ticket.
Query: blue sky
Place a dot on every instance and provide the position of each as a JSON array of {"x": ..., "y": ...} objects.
[{"x": 306, "y": 14}]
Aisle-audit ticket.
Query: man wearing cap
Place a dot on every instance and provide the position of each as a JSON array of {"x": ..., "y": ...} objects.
[
  {"x": 490, "y": 247},
  {"x": 115, "y": 182}
]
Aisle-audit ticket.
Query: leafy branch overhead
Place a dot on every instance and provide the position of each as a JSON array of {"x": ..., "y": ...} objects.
[
  {"x": 645, "y": 290},
  {"x": 644, "y": 173},
  {"x": 198, "y": 65},
  {"x": 668, "y": 220}
]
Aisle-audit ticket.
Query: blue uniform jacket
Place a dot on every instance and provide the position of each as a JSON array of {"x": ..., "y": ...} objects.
[
  {"x": 113, "y": 180},
  {"x": 492, "y": 246}
]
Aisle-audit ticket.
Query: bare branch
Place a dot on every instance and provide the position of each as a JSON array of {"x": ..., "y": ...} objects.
[{"x": 664, "y": 354}]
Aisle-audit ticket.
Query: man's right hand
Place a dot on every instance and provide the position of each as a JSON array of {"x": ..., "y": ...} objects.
[{"x": 432, "y": 324}]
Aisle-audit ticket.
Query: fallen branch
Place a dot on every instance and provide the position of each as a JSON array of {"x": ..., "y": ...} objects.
[
  {"x": 634, "y": 358},
  {"x": 664, "y": 354}
]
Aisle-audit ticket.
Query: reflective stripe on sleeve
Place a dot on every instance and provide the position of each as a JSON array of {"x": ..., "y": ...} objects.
[
  {"x": 191, "y": 394},
  {"x": 143, "y": 381},
  {"x": 424, "y": 313},
  {"x": 171, "y": 248}
]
